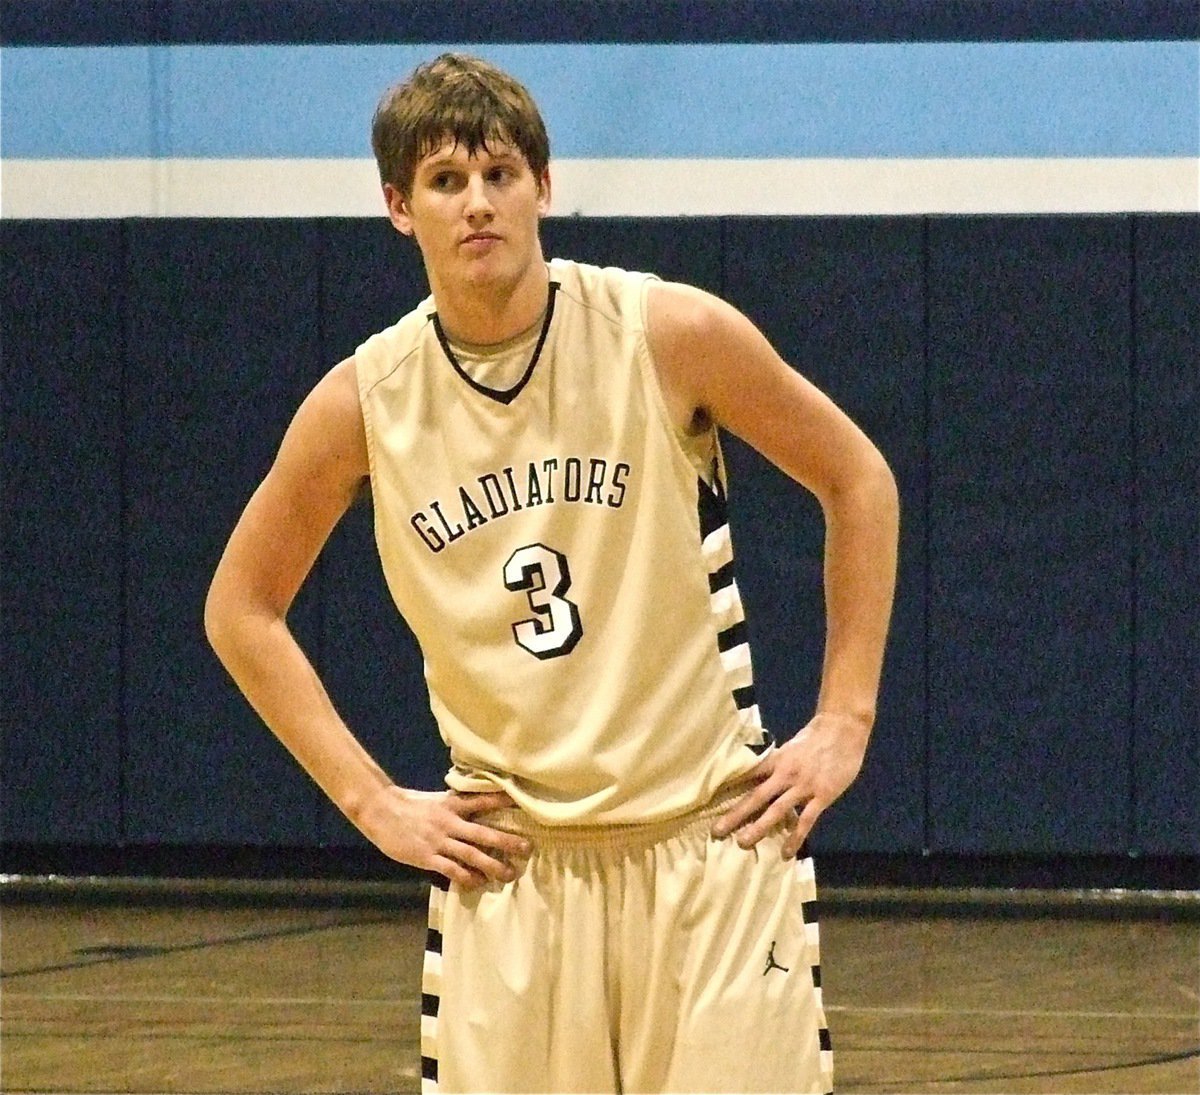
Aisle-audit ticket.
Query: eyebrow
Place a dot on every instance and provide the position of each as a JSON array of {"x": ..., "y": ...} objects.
[{"x": 448, "y": 160}]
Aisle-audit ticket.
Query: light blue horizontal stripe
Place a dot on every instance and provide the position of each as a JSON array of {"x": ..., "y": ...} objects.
[
  {"x": 77, "y": 103},
  {"x": 1022, "y": 99}
]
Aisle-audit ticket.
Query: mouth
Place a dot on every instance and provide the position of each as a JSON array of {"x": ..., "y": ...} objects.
[{"x": 481, "y": 237}]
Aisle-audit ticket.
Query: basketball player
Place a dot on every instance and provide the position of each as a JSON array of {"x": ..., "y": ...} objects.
[{"x": 619, "y": 904}]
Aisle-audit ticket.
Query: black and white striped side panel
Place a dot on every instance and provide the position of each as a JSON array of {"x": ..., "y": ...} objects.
[
  {"x": 812, "y": 934},
  {"x": 431, "y": 986},
  {"x": 733, "y": 640}
]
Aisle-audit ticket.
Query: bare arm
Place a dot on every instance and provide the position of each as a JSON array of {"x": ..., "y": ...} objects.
[
  {"x": 320, "y": 467},
  {"x": 714, "y": 364}
]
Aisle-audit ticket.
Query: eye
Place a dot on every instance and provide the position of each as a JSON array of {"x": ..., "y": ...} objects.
[{"x": 499, "y": 174}]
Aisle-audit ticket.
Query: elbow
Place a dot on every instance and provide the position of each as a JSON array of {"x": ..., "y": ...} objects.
[
  {"x": 885, "y": 486},
  {"x": 216, "y": 627},
  {"x": 868, "y": 489},
  {"x": 223, "y": 613},
  {"x": 883, "y": 496},
  {"x": 237, "y": 616}
]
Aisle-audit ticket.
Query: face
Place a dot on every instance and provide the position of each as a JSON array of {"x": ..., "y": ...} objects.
[{"x": 475, "y": 218}]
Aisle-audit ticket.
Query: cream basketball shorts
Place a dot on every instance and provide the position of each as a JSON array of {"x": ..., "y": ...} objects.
[{"x": 641, "y": 958}]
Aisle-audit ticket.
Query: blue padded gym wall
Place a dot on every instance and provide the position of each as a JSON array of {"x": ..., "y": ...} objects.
[
  {"x": 1030, "y": 534},
  {"x": 370, "y": 276},
  {"x": 842, "y": 299},
  {"x": 61, "y": 585},
  {"x": 222, "y": 347},
  {"x": 1034, "y": 381},
  {"x": 1044, "y": 622},
  {"x": 1166, "y": 716},
  {"x": 1040, "y": 688}
]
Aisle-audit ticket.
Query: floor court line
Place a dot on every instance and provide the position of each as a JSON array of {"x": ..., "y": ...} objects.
[
  {"x": 987, "y": 1077},
  {"x": 125, "y": 954},
  {"x": 1008, "y": 1013},
  {"x": 837, "y": 1009},
  {"x": 306, "y": 1001}
]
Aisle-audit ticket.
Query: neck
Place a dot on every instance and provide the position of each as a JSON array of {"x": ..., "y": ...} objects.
[{"x": 484, "y": 314}]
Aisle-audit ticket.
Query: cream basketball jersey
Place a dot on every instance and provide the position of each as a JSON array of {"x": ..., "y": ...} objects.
[{"x": 562, "y": 554}]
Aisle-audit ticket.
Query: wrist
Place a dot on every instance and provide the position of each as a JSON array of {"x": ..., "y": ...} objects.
[
  {"x": 365, "y": 805},
  {"x": 853, "y": 719}
]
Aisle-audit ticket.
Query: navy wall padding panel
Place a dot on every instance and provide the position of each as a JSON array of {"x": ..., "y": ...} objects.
[
  {"x": 1166, "y": 738},
  {"x": 1030, "y": 537},
  {"x": 371, "y": 664},
  {"x": 371, "y": 276},
  {"x": 687, "y": 249},
  {"x": 222, "y": 345},
  {"x": 842, "y": 299},
  {"x": 62, "y": 295}
]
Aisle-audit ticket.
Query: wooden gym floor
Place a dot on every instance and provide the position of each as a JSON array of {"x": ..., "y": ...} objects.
[{"x": 190, "y": 995}]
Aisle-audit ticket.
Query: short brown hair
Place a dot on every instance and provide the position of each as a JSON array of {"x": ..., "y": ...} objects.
[{"x": 459, "y": 98}]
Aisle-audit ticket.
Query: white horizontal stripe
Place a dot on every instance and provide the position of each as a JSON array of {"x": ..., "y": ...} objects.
[
  {"x": 736, "y": 657},
  {"x": 879, "y": 186},
  {"x": 716, "y": 544},
  {"x": 437, "y": 906},
  {"x": 751, "y": 716},
  {"x": 429, "y": 1036},
  {"x": 189, "y": 188},
  {"x": 725, "y": 600},
  {"x": 738, "y": 676},
  {"x": 79, "y": 189}
]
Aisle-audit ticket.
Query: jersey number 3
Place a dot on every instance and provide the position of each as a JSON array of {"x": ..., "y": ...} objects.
[{"x": 542, "y": 574}]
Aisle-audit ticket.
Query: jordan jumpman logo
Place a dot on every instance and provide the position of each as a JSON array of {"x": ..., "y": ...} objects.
[{"x": 771, "y": 963}]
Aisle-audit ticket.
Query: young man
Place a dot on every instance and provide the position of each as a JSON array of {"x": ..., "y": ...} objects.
[{"x": 620, "y": 906}]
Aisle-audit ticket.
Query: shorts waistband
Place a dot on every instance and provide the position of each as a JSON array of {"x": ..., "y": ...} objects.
[{"x": 624, "y": 837}]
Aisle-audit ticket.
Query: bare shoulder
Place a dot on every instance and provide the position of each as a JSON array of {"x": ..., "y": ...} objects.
[
  {"x": 335, "y": 396},
  {"x": 714, "y": 361},
  {"x": 683, "y": 317},
  {"x": 327, "y": 433},
  {"x": 316, "y": 474},
  {"x": 704, "y": 349},
  {"x": 689, "y": 331}
]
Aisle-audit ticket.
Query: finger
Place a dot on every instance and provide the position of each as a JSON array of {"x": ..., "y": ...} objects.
[
  {"x": 468, "y": 805},
  {"x": 461, "y": 876},
  {"x": 780, "y": 812},
  {"x": 804, "y": 825},
  {"x": 475, "y": 859},
  {"x": 749, "y": 806},
  {"x": 484, "y": 836}
]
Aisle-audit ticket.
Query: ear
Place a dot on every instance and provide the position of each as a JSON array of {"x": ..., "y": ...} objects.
[
  {"x": 398, "y": 211},
  {"x": 544, "y": 193}
]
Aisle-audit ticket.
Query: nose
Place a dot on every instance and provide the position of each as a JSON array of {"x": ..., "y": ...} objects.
[{"x": 478, "y": 204}]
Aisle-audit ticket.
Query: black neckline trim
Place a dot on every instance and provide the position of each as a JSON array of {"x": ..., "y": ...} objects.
[{"x": 500, "y": 395}]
